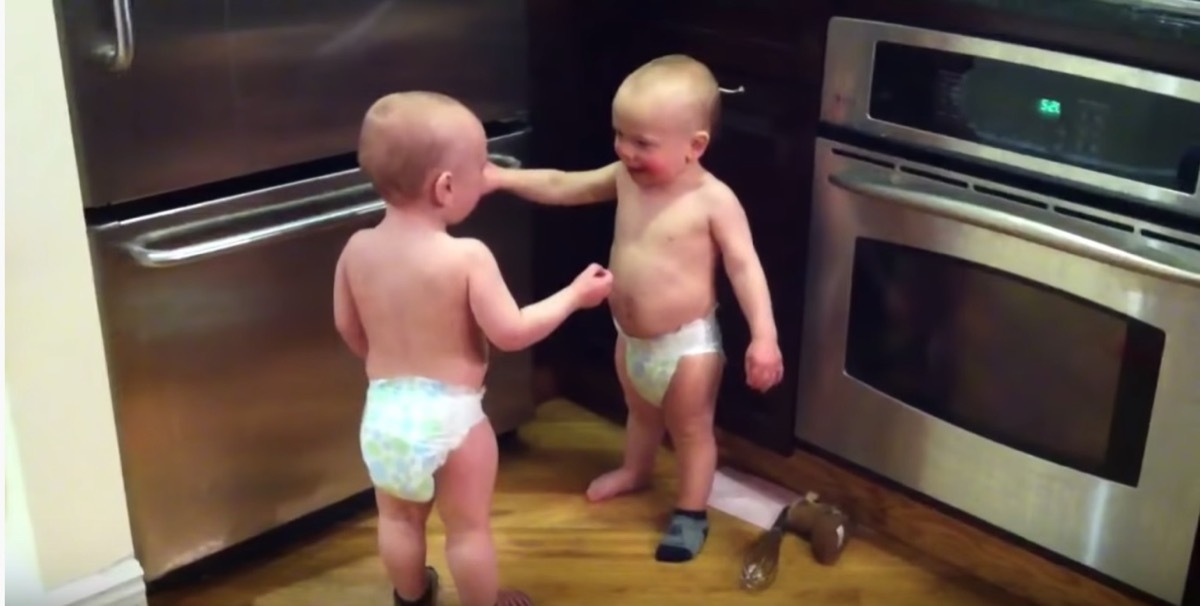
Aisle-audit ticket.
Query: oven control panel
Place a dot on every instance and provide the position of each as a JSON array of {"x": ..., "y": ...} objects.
[{"x": 1095, "y": 124}]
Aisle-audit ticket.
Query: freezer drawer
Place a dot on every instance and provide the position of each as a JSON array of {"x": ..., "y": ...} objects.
[{"x": 237, "y": 405}]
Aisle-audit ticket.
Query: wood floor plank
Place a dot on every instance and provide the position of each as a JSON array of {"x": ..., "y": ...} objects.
[{"x": 565, "y": 551}]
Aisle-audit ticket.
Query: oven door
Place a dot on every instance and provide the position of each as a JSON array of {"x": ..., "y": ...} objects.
[{"x": 1033, "y": 370}]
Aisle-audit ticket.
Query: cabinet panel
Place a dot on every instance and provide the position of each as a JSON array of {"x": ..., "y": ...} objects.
[
  {"x": 762, "y": 20},
  {"x": 762, "y": 157},
  {"x": 575, "y": 69},
  {"x": 762, "y": 149}
]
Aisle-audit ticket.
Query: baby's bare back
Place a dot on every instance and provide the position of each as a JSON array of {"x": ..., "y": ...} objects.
[
  {"x": 410, "y": 291},
  {"x": 663, "y": 261}
]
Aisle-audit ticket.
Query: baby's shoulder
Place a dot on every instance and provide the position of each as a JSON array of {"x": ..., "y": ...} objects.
[
  {"x": 358, "y": 244},
  {"x": 712, "y": 197},
  {"x": 716, "y": 192},
  {"x": 465, "y": 253},
  {"x": 467, "y": 247}
]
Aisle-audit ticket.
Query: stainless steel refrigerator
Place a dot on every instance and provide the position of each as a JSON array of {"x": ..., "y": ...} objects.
[{"x": 215, "y": 144}]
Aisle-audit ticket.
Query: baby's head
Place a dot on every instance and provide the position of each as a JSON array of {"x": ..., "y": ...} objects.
[
  {"x": 663, "y": 115},
  {"x": 423, "y": 148}
]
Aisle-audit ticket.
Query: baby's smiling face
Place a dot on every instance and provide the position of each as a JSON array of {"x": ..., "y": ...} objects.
[
  {"x": 661, "y": 116},
  {"x": 656, "y": 137}
]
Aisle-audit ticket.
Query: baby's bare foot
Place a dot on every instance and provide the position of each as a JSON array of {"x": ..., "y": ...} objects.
[
  {"x": 616, "y": 483},
  {"x": 512, "y": 597}
]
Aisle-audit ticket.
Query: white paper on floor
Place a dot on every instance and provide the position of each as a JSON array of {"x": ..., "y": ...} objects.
[{"x": 749, "y": 498}]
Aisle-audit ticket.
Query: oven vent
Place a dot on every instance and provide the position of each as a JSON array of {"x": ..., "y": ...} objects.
[
  {"x": 1058, "y": 207},
  {"x": 864, "y": 158},
  {"x": 1011, "y": 197},
  {"x": 1082, "y": 216},
  {"x": 1079, "y": 212},
  {"x": 934, "y": 176},
  {"x": 1145, "y": 229},
  {"x": 1183, "y": 240}
]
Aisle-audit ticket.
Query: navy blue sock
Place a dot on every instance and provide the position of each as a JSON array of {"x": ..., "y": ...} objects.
[{"x": 684, "y": 538}]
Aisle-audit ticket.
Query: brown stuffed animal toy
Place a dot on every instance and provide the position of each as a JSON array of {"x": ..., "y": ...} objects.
[{"x": 824, "y": 526}]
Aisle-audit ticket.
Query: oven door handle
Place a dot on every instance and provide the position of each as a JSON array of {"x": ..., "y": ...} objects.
[
  {"x": 1013, "y": 225},
  {"x": 147, "y": 255}
]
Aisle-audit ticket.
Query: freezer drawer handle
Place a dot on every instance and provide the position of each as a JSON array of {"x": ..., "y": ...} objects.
[
  {"x": 148, "y": 256},
  {"x": 157, "y": 257},
  {"x": 117, "y": 56},
  {"x": 1039, "y": 233}
]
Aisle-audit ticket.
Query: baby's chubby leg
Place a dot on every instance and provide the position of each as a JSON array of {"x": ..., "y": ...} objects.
[
  {"x": 688, "y": 410},
  {"x": 643, "y": 437},
  {"x": 464, "y": 499},
  {"x": 402, "y": 545}
]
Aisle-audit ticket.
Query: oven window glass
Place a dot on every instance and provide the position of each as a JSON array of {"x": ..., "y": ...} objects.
[{"x": 1011, "y": 360}]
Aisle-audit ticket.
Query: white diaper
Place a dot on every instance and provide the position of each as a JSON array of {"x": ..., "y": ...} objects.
[
  {"x": 410, "y": 425},
  {"x": 650, "y": 363}
]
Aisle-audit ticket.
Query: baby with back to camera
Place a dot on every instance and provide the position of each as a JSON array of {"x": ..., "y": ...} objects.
[
  {"x": 419, "y": 306},
  {"x": 674, "y": 220}
]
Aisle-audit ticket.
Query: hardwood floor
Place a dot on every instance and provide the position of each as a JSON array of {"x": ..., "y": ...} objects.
[{"x": 562, "y": 550}]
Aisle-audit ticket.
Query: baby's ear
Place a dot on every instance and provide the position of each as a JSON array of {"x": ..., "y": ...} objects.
[
  {"x": 442, "y": 189},
  {"x": 700, "y": 143}
]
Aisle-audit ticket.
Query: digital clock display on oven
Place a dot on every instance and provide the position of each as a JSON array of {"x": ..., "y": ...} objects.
[{"x": 1093, "y": 124}]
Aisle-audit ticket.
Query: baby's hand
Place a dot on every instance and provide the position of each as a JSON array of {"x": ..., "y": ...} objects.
[
  {"x": 592, "y": 286},
  {"x": 764, "y": 364}
]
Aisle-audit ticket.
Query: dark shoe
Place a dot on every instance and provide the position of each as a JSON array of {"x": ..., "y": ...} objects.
[{"x": 431, "y": 591}]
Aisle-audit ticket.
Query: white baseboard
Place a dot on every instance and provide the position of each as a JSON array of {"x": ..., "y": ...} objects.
[{"x": 119, "y": 585}]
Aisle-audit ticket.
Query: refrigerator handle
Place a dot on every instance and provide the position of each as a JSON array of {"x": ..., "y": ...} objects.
[
  {"x": 117, "y": 55},
  {"x": 147, "y": 255},
  {"x": 144, "y": 252}
]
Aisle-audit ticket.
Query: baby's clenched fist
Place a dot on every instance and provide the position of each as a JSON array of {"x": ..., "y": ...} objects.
[{"x": 592, "y": 286}]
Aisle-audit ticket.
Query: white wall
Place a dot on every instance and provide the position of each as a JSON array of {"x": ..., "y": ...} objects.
[
  {"x": 68, "y": 498},
  {"x": 22, "y": 582}
]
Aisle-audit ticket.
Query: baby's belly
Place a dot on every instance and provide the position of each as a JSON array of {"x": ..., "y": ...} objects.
[{"x": 656, "y": 294}]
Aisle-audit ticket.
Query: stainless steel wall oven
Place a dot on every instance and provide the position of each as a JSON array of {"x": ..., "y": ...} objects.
[{"x": 1004, "y": 293}]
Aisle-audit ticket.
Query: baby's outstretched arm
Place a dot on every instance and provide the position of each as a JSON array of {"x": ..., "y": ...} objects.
[
  {"x": 731, "y": 231},
  {"x": 557, "y": 187},
  {"x": 345, "y": 314},
  {"x": 511, "y": 328}
]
